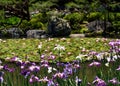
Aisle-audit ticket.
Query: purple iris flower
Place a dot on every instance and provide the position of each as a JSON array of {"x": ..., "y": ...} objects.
[
  {"x": 45, "y": 79},
  {"x": 76, "y": 66},
  {"x": 114, "y": 43},
  {"x": 94, "y": 63},
  {"x": 76, "y": 62},
  {"x": 89, "y": 84},
  {"x": 14, "y": 59},
  {"x": 1, "y": 77},
  {"x": 33, "y": 63},
  {"x": 23, "y": 65},
  {"x": 78, "y": 81},
  {"x": 5, "y": 67},
  {"x": 33, "y": 79},
  {"x": 99, "y": 82},
  {"x": 118, "y": 68},
  {"x": 42, "y": 56},
  {"x": 114, "y": 81},
  {"x": 51, "y": 83},
  {"x": 68, "y": 71},
  {"x": 44, "y": 63},
  {"x": 115, "y": 46},
  {"x": 34, "y": 68},
  {"x": 68, "y": 65},
  {"x": 51, "y": 57},
  {"x": 59, "y": 64},
  {"x": 25, "y": 73},
  {"x": 111, "y": 43},
  {"x": 93, "y": 53},
  {"x": 19, "y": 63},
  {"x": 59, "y": 75}
]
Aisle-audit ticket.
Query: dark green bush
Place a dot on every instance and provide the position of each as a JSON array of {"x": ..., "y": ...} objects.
[
  {"x": 116, "y": 26},
  {"x": 75, "y": 19},
  {"x": 36, "y": 24},
  {"x": 25, "y": 24},
  {"x": 114, "y": 17},
  {"x": 93, "y": 16},
  {"x": 38, "y": 21},
  {"x": 118, "y": 16},
  {"x": 111, "y": 17},
  {"x": 84, "y": 30},
  {"x": 41, "y": 17}
]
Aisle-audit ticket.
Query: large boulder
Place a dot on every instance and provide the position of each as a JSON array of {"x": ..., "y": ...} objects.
[
  {"x": 36, "y": 34},
  {"x": 13, "y": 32},
  {"x": 97, "y": 25},
  {"x": 58, "y": 27}
]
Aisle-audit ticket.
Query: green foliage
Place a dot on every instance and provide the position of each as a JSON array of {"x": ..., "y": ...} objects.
[
  {"x": 111, "y": 17},
  {"x": 32, "y": 25},
  {"x": 116, "y": 23},
  {"x": 93, "y": 16},
  {"x": 75, "y": 19},
  {"x": 43, "y": 5},
  {"x": 38, "y": 21},
  {"x": 6, "y": 2},
  {"x": 116, "y": 29},
  {"x": 1, "y": 14},
  {"x": 29, "y": 47},
  {"x": 42, "y": 17},
  {"x": 36, "y": 25},
  {"x": 88, "y": 11},
  {"x": 1, "y": 17},
  {"x": 8, "y": 22},
  {"x": 114, "y": 17},
  {"x": 84, "y": 30},
  {"x": 118, "y": 16},
  {"x": 25, "y": 24},
  {"x": 72, "y": 5},
  {"x": 13, "y": 20}
]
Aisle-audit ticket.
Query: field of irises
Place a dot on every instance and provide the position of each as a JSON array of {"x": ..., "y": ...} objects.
[{"x": 60, "y": 62}]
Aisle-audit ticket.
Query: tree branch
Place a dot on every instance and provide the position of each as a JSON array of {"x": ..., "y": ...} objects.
[{"x": 20, "y": 10}]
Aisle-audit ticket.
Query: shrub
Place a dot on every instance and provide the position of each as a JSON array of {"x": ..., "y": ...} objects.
[
  {"x": 118, "y": 16},
  {"x": 35, "y": 24},
  {"x": 75, "y": 19},
  {"x": 38, "y": 21},
  {"x": 71, "y": 5},
  {"x": 116, "y": 25},
  {"x": 111, "y": 17},
  {"x": 42, "y": 17},
  {"x": 93, "y": 16},
  {"x": 84, "y": 30}
]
